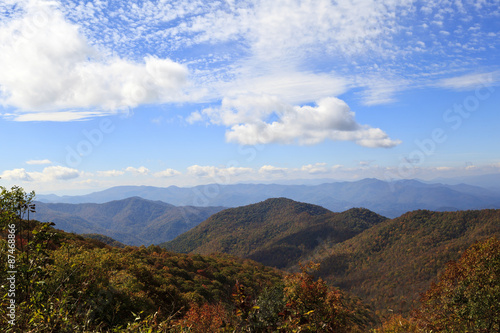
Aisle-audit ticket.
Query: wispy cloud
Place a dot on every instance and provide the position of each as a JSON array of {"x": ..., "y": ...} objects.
[
  {"x": 471, "y": 81},
  {"x": 110, "y": 173},
  {"x": 216, "y": 172},
  {"x": 38, "y": 162}
]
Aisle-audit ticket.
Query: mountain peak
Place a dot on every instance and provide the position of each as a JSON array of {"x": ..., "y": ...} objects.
[{"x": 274, "y": 232}]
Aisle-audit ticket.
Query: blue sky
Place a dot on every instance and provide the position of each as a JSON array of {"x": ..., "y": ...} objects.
[{"x": 95, "y": 94}]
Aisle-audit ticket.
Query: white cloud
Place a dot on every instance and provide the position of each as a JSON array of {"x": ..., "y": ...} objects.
[
  {"x": 51, "y": 173},
  {"x": 318, "y": 168},
  {"x": 381, "y": 88},
  {"x": 166, "y": 173},
  {"x": 202, "y": 171},
  {"x": 275, "y": 27},
  {"x": 56, "y": 116},
  {"x": 265, "y": 119},
  {"x": 470, "y": 81},
  {"x": 245, "y": 109},
  {"x": 110, "y": 173},
  {"x": 290, "y": 86},
  {"x": 236, "y": 171},
  {"x": 16, "y": 174},
  {"x": 270, "y": 169},
  {"x": 444, "y": 168},
  {"x": 47, "y": 66},
  {"x": 281, "y": 40},
  {"x": 56, "y": 56},
  {"x": 213, "y": 172},
  {"x": 194, "y": 117},
  {"x": 138, "y": 171},
  {"x": 59, "y": 173},
  {"x": 299, "y": 51},
  {"x": 38, "y": 162}
]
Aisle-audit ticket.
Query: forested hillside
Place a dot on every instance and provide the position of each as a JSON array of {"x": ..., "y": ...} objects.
[
  {"x": 132, "y": 221},
  {"x": 67, "y": 283},
  {"x": 390, "y": 264},
  {"x": 275, "y": 232}
]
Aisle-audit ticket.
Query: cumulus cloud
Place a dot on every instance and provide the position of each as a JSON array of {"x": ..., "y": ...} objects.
[
  {"x": 202, "y": 171},
  {"x": 51, "y": 173},
  {"x": 138, "y": 171},
  {"x": 265, "y": 119},
  {"x": 166, "y": 173},
  {"x": 313, "y": 169},
  {"x": 16, "y": 174},
  {"x": 47, "y": 66},
  {"x": 59, "y": 173},
  {"x": 38, "y": 162}
]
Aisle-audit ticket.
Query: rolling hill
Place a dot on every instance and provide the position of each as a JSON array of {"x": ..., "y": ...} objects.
[
  {"x": 275, "y": 232},
  {"x": 385, "y": 262},
  {"x": 132, "y": 221},
  {"x": 390, "y": 199},
  {"x": 390, "y": 264}
]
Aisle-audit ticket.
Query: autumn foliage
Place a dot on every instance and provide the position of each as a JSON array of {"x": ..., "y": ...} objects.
[
  {"x": 69, "y": 283},
  {"x": 467, "y": 296}
]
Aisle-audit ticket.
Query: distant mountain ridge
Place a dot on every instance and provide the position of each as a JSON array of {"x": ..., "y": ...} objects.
[
  {"x": 132, "y": 221},
  {"x": 389, "y": 199},
  {"x": 488, "y": 181}
]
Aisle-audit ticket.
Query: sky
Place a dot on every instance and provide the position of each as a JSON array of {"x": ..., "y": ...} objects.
[{"x": 95, "y": 94}]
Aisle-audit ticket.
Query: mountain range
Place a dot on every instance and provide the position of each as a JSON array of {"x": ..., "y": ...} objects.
[
  {"x": 276, "y": 232},
  {"x": 385, "y": 262},
  {"x": 132, "y": 221},
  {"x": 389, "y": 199}
]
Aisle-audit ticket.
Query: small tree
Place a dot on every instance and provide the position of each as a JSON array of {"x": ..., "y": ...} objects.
[
  {"x": 28, "y": 254},
  {"x": 312, "y": 306}
]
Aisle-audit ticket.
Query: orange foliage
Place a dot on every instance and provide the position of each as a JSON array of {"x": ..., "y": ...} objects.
[{"x": 206, "y": 318}]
